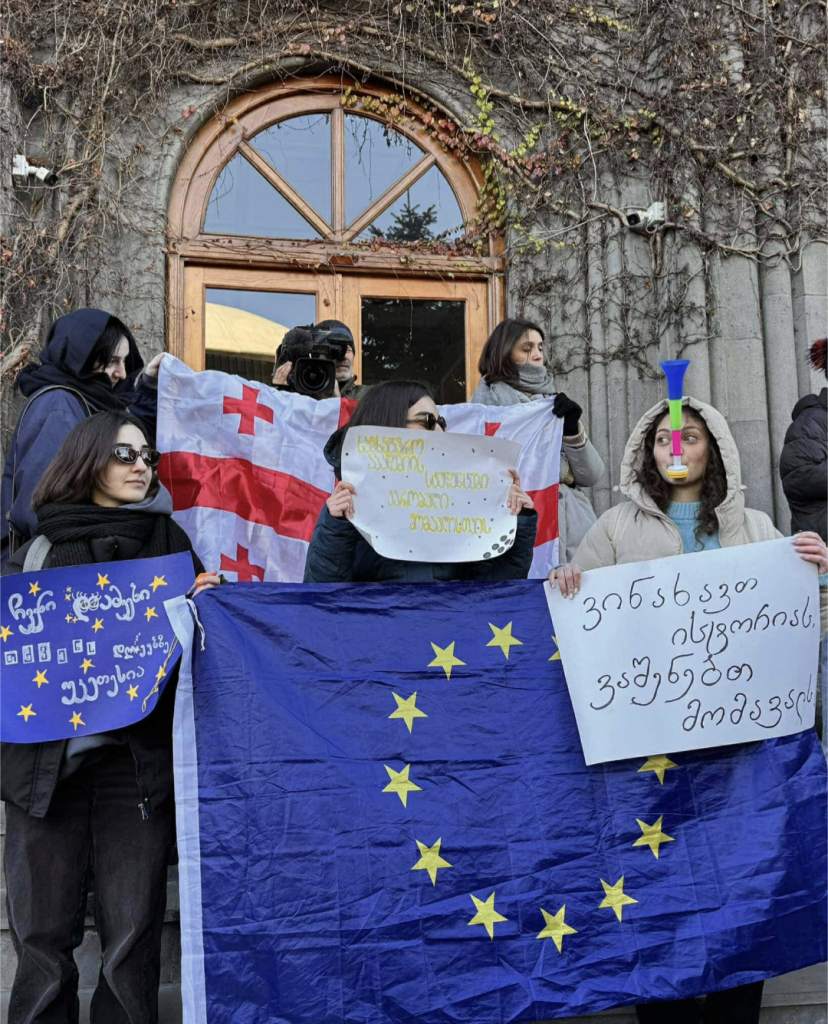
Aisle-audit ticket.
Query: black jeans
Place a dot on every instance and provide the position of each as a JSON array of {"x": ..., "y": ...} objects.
[
  {"x": 740, "y": 1005},
  {"x": 94, "y": 820}
]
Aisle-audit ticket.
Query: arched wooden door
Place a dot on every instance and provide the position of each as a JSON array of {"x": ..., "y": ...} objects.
[{"x": 290, "y": 208}]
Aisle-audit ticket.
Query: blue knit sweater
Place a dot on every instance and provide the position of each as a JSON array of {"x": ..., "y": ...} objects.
[{"x": 685, "y": 514}]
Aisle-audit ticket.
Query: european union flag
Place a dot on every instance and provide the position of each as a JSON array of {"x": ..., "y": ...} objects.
[{"x": 385, "y": 816}]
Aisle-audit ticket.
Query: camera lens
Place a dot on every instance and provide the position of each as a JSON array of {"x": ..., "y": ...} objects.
[{"x": 315, "y": 377}]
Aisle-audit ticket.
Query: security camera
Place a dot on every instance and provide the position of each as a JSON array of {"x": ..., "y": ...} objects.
[
  {"x": 22, "y": 170},
  {"x": 646, "y": 222}
]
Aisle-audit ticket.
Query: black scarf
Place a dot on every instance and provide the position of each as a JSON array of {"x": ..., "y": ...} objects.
[{"x": 70, "y": 528}]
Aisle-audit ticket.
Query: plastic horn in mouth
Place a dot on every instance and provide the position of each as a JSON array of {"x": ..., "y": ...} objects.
[{"x": 674, "y": 371}]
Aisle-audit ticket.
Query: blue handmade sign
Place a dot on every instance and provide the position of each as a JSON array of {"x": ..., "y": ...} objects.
[{"x": 84, "y": 647}]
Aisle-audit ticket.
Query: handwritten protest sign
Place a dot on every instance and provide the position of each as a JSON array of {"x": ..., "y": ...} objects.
[
  {"x": 424, "y": 496},
  {"x": 84, "y": 647},
  {"x": 691, "y": 651}
]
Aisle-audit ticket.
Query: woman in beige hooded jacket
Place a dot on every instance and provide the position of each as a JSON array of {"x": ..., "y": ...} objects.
[{"x": 672, "y": 517}]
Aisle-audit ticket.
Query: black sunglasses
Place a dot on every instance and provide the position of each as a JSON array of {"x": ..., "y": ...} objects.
[
  {"x": 429, "y": 421},
  {"x": 129, "y": 456}
]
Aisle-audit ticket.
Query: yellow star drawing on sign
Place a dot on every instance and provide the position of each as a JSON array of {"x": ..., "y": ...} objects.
[
  {"x": 34, "y": 587},
  {"x": 486, "y": 914},
  {"x": 98, "y": 625},
  {"x": 652, "y": 836},
  {"x": 401, "y": 784},
  {"x": 557, "y": 655},
  {"x": 26, "y": 712},
  {"x": 102, "y": 581},
  {"x": 40, "y": 677},
  {"x": 150, "y": 613},
  {"x": 503, "y": 638},
  {"x": 615, "y": 897},
  {"x": 444, "y": 658},
  {"x": 76, "y": 720},
  {"x": 556, "y": 927},
  {"x": 68, "y": 618},
  {"x": 659, "y": 765},
  {"x": 133, "y": 692},
  {"x": 5, "y": 633},
  {"x": 159, "y": 581},
  {"x": 67, "y": 596},
  {"x": 86, "y": 664},
  {"x": 430, "y": 860},
  {"x": 407, "y": 709}
]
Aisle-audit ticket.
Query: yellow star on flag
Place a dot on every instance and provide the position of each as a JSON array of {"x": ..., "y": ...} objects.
[
  {"x": 86, "y": 664},
  {"x": 444, "y": 658},
  {"x": 5, "y": 633},
  {"x": 503, "y": 638},
  {"x": 98, "y": 625},
  {"x": 430, "y": 860},
  {"x": 659, "y": 765},
  {"x": 40, "y": 677},
  {"x": 102, "y": 581},
  {"x": 401, "y": 784},
  {"x": 557, "y": 655},
  {"x": 653, "y": 836},
  {"x": 68, "y": 618},
  {"x": 615, "y": 897},
  {"x": 159, "y": 675},
  {"x": 150, "y": 613},
  {"x": 486, "y": 914},
  {"x": 407, "y": 709},
  {"x": 133, "y": 692},
  {"x": 76, "y": 720},
  {"x": 67, "y": 597},
  {"x": 556, "y": 927},
  {"x": 159, "y": 581},
  {"x": 34, "y": 587},
  {"x": 26, "y": 712}
]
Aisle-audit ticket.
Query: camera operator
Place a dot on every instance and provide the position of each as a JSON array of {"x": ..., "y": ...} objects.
[
  {"x": 348, "y": 387},
  {"x": 330, "y": 342}
]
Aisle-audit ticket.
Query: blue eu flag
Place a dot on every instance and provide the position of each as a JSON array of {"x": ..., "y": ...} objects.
[{"x": 385, "y": 816}]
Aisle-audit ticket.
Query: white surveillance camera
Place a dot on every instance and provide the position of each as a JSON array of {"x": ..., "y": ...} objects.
[
  {"x": 22, "y": 170},
  {"x": 646, "y": 222}
]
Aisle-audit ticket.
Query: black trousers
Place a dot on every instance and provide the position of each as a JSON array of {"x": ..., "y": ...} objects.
[
  {"x": 94, "y": 820},
  {"x": 740, "y": 1005}
]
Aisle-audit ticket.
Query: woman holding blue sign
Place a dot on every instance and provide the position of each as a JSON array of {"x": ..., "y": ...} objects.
[
  {"x": 681, "y": 474},
  {"x": 104, "y": 799}
]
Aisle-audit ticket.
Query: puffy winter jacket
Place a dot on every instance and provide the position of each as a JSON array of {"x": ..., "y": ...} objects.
[
  {"x": 803, "y": 464},
  {"x": 637, "y": 529}
]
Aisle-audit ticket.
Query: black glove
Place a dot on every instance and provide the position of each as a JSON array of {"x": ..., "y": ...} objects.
[{"x": 567, "y": 410}]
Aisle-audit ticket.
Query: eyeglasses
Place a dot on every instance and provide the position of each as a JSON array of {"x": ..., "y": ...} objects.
[
  {"x": 129, "y": 456},
  {"x": 429, "y": 421}
]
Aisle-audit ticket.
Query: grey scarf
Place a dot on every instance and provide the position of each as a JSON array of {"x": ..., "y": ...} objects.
[{"x": 533, "y": 382}]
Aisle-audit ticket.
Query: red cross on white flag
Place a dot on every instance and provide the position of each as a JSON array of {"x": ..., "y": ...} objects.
[{"x": 245, "y": 466}]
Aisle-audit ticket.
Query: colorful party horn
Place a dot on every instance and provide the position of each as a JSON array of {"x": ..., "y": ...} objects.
[{"x": 674, "y": 371}]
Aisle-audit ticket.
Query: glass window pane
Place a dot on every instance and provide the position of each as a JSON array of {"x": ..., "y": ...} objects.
[
  {"x": 426, "y": 210},
  {"x": 375, "y": 157},
  {"x": 416, "y": 339},
  {"x": 243, "y": 329},
  {"x": 245, "y": 203},
  {"x": 300, "y": 150}
]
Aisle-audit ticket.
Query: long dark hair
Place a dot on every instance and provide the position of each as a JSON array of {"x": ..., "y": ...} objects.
[
  {"x": 387, "y": 405},
  {"x": 80, "y": 461},
  {"x": 496, "y": 358},
  {"x": 714, "y": 484},
  {"x": 105, "y": 347}
]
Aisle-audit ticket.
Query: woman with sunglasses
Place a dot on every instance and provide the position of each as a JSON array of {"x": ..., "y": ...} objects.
[
  {"x": 106, "y": 800},
  {"x": 513, "y": 370},
  {"x": 339, "y": 554}
]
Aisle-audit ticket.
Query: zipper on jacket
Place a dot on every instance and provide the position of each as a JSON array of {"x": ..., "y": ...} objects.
[{"x": 142, "y": 805}]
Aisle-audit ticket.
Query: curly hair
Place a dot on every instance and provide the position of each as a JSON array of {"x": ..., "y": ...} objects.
[{"x": 714, "y": 482}]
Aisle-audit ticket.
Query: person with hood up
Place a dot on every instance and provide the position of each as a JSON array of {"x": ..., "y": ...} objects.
[
  {"x": 339, "y": 554},
  {"x": 104, "y": 799},
  {"x": 663, "y": 517},
  {"x": 90, "y": 363},
  {"x": 513, "y": 370}
]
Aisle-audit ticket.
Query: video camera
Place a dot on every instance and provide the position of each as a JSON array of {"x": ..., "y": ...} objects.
[{"x": 314, "y": 352}]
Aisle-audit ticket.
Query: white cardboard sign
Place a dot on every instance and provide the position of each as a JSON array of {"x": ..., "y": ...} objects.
[
  {"x": 691, "y": 651},
  {"x": 425, "y": 496}
]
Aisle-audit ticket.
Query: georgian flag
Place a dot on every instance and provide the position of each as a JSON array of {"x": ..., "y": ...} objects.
[{"x": 245, "y": 466}]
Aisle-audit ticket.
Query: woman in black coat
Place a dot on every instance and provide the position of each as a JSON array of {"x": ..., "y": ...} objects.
[
  {"x": 104, "y": 800},
  {"x": 803, "y": 464},
  {"x": 339, "y": 554}
]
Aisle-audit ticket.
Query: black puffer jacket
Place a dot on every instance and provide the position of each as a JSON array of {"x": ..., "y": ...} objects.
[
  {"x": 339, "y": 554},
  {"x": 803, "y": 464}
]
